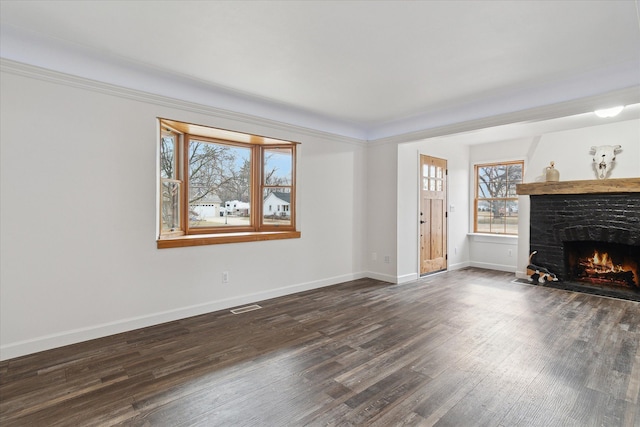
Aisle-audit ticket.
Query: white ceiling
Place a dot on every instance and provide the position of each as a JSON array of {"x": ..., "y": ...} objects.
[{"x": 370, "y": 68}]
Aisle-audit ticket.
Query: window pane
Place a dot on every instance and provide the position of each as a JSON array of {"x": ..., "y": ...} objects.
[
  {"x": 497, "y": 203},
  {"x": 170, "y": 206},
  {"x": 276, "y": 208},
  {"x": 167, "y": 156},
  {"x": 483, "y": 224},
  {"x": 278, "y": 166},
  {"x": 512, "y": 217},
  {"x": 219, "y": 184},
  {"x": 498, "y": 216},
  {"x": 515, "y": 173}
]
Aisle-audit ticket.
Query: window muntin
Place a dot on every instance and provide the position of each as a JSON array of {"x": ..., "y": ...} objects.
[
  {"x": 277, "y": 178},
  {"x": 216, "y": 186},
  {"x": 432, "y": 178},
  {"x": 219, "y": 181},
  {"x": 496, "y": 201},
  {"x": 170, "y": 184}
]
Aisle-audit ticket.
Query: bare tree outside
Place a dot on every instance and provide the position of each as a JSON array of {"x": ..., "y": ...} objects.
[
  {"x": 217, "y": 173},
  {"x": 170, "y": 185},
  {"x": 496, "y": 198},
  {"x": 215, "y": 181}
]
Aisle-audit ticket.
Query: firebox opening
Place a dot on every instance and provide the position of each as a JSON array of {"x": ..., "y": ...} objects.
[{"x": 604, "y": 264}]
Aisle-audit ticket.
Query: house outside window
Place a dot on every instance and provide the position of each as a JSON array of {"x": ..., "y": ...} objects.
[
  {"x": 496, "y": 202},
  {"x": 215, "y": 184}
]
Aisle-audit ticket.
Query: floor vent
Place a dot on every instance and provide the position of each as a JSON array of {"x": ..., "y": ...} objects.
[{"x": 245, "y": 309}]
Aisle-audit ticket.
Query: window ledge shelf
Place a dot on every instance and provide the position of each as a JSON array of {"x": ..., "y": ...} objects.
[
  {"x": 223, "y": 238},
  {"x": 493, "y": 238}
]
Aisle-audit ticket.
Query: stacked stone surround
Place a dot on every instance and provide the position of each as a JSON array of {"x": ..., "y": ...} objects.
[{"x": 559, "y": 218}]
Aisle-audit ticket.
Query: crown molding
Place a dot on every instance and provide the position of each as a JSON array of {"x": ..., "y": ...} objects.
[
  {"x": 626, "y": 96},
  {"x": 39, "y": 73}
]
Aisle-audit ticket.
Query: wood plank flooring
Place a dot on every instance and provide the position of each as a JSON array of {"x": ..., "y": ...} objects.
[{"x": 463, "y": 348}]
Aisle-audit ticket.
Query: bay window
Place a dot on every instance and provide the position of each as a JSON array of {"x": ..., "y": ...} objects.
[{"x": 217, "y": 186}]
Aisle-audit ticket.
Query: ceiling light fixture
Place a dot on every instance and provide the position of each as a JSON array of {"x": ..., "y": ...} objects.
[{"x": 609, "y": 112}]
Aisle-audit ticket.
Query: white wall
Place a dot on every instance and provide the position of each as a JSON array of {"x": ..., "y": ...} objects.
[
  {"x": 570, "y": 151},
  {"x": 381, "y": 217},
  {"x": 494, "y": 251},
  {"x": 408, "y": 210},
  {"x": 87, "y": 265}
]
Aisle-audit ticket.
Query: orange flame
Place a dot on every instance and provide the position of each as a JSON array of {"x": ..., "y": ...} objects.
[{"x": 603, "y": 264}]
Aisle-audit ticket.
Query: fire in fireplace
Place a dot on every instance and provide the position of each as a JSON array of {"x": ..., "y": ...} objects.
[{"x": 604, "y": 264}]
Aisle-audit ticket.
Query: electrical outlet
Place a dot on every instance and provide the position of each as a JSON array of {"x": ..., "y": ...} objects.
[
  {"x": 374, "y": 256},
  {"x": 387, "y": 259},
  {"x": 225, "y": 277}
]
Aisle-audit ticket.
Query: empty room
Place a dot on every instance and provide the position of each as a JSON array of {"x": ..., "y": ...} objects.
[{"x": 312, "y": 213}]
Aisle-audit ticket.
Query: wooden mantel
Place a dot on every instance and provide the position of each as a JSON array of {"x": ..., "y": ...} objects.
[{"x": 595, "y": 186}]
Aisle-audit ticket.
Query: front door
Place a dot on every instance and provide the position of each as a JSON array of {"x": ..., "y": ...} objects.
[{"x": 433, "y": 214}]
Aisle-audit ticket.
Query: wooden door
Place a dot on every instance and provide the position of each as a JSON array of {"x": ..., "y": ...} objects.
[{"x": 433, "y": 214}]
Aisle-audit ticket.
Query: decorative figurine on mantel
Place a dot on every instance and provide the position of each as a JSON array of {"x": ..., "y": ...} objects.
[
  {"x": 603, "y": 158},
  {"x": 552, "y": 174}
]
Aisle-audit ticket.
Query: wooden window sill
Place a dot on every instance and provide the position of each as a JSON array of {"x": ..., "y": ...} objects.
[{"x": 217, "y": 239}]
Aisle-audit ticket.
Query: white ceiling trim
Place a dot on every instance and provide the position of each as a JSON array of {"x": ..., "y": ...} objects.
[
  {"x": 53, "y": 54},
  {"x": 60, "y": 56},
  {"x": 626, "y": 96},
  {"x": 606, "y": 86},
  {"x": 30, "y": 71}
]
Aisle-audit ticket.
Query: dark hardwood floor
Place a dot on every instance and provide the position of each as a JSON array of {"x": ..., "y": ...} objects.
[{"x": 464, "y": 348}]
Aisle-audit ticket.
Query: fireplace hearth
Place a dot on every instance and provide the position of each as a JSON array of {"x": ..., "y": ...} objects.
[{"x": 588, "y": 235}]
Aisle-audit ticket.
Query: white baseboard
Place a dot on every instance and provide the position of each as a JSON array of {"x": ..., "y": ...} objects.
[
  {"x": 47, "y": 342},
  {"x": 380, "y": 276},
  {"x": 412, "y": 277},
  {"x": 407, "y": 278},
  {"x": 489, "y": 266},
  {"x": 459, "y": 265}
]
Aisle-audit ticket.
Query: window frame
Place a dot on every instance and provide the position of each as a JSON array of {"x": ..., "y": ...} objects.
[
  {"x": 477, "y": 198},
  {"x": 189, "y": 235},
  {"x": 175, "y": 178}
]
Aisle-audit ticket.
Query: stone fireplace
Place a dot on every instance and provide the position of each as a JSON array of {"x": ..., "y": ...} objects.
[{"x": 588, "y": 233}]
